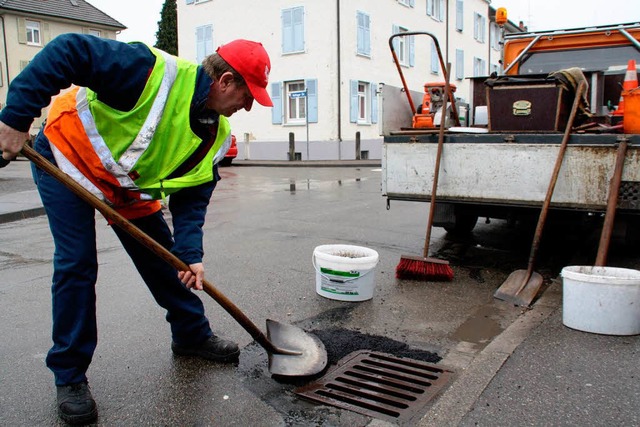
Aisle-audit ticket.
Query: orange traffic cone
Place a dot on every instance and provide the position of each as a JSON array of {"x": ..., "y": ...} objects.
[{"x": 630, "y": 82}]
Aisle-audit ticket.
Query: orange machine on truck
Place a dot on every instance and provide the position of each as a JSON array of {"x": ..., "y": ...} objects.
[{"x": 499, "y": 165}]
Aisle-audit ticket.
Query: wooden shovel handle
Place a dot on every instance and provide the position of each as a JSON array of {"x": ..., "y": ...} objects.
[
  {"x": 612, "y": 202},
  {"x": 552, "y": 185},
  {"x": 150, "y": 244}
]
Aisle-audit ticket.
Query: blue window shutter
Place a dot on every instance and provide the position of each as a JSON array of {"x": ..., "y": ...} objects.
[
  {"x": 190, "y": 1},
  {"x": 367, "y": 35},
  {"x": 459, "y": 15},
  {"x": 276, "y": 98},
  {"x": 374, "y": 103},
  {"x": 412, "y": 3},
  {"x": 287, "y": 31},
  {"x": 312, "y": 100},
  {"x": 435, "y": 61},
  {"x": 360, "y": 33},
  {"x": 412, "y": 51},
  {"x": 298, "y": 29},
  {"x": 459, "y": 64},
  {"x": 364, "y": 34},
  {"x": 395, "y": 29},
  {"x": 429, "y": 7},
  {"x": 353, "y": 111}
]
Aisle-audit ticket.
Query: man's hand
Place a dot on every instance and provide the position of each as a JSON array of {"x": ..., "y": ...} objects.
[
  {"x": 193, "y": 279},
  {"x": 11, "y": 141}
]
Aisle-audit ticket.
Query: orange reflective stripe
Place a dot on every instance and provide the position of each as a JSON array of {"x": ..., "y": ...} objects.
[{"x": 66, "y": 132}]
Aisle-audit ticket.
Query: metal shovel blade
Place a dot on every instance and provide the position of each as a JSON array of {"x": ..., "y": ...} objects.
[
  {"x": 309, "y": 356},
  {"x": 520, "y": 289}
]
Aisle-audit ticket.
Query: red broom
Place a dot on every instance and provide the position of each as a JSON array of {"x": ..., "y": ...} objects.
[{"x": 424, "y": 268}]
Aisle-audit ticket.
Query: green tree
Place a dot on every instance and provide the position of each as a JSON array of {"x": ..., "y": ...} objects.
[{"x": 167, "y": 34}]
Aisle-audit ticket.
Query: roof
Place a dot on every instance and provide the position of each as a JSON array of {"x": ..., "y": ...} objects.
[{"x": 77, "y": 10}]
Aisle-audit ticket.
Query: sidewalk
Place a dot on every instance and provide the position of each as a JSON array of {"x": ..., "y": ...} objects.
[{"x": 536, "y": 372}]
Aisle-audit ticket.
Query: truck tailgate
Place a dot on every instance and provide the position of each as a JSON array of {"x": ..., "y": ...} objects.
[{"x": 487, "y": 170}]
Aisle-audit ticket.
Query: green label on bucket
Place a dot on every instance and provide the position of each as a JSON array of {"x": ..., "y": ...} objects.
[
  {"x": 340, "y": 273},
  {"x": 339, "y": 292}
]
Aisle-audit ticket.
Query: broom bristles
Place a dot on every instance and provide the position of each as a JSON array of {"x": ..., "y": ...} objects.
[{"x": 423, "y": 269}]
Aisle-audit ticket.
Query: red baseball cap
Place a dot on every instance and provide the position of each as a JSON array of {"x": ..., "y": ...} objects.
[{"x": 251, "y": 61}]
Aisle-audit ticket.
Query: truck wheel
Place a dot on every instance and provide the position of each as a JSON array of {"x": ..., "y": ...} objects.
[{"x": 464, "y": 224}]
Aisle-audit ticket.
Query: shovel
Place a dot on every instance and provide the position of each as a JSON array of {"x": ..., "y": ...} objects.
[
  {"x": 522, "y": 286},
  {"x": 292, "y": 352}
]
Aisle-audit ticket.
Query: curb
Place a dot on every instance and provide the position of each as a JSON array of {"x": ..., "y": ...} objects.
[
  {"x": 23, "y": 214},
  {"x": 454, "y": 404}
]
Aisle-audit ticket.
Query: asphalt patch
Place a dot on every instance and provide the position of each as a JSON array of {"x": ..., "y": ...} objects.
[{"x": 341, "y": 342}]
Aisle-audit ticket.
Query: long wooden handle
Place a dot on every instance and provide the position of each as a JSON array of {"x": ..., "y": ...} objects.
[
  {"x": 436, "y": 173},
  {"x": 612, "y": 203},
  {"x": 552, "y": 185},
  {"x": 152, "y": 245}
]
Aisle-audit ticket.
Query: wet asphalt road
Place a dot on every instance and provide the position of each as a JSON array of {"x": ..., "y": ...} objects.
[{"x": 262, "y": 226}]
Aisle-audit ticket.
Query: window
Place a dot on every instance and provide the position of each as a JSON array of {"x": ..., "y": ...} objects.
[
  {"x": 495, "y": 68},
  {"x": 435, "y": 9},
  {"x": 403, "y": 46},
  {"x": 479, "y": 27},
  {"x": 479, "y": 67},
  {"x": 459, "y": 64},
  {"x": 459, "y": 15},
  {"x": 92, "y": 31},
  {"x": 296, "y": 107},
  {"x": 364, "y": 34},
  {"x": 364, "y": 102},
  {"x": 204, "y": 42},
  {"x": 409, "y": 3},
  {"x": 33, "y": 33},
  {"x": 293, "y": 30}
]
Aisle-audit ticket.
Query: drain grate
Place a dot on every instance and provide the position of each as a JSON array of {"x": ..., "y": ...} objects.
[{"x": 378, "y": 385}]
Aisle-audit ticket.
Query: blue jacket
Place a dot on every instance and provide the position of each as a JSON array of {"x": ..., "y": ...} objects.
[{"x": 117, "y": 72}]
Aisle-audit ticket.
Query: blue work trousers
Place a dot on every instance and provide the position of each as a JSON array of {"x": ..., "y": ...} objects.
[{"x": 72, "y": 224}]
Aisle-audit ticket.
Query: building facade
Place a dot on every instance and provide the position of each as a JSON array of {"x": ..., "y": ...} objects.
[
  {"x": 329, "y": 59},
  {"x": 27, "y": 26}
]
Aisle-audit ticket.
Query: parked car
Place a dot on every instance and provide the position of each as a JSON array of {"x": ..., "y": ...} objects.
[{"x": 231, "y": 154}]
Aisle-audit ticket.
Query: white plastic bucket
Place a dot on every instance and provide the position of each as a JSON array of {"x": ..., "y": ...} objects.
[
  {"x": 602, "y": 300},
  {"x": 345, "y": 272}
]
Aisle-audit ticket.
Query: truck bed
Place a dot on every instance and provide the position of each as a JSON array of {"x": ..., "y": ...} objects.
[{"x": 504, "y": 169}]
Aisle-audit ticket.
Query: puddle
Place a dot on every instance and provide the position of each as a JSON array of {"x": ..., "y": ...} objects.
[{"x": 481, "y": 327}]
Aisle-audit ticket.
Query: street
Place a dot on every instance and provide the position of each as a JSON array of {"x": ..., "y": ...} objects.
[{"x": 262, "y": 226}]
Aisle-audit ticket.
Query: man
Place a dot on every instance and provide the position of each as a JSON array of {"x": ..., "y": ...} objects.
[{"x": 138, "y": 125}]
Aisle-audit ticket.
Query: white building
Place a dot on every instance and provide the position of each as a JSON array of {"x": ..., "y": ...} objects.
[{"x": 338, "y": 51}]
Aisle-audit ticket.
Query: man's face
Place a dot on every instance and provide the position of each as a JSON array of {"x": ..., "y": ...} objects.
[{"x": 226, "y": 96}]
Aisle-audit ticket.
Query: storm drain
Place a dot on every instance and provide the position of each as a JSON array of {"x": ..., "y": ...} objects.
[{"x": 378, "y": 385}]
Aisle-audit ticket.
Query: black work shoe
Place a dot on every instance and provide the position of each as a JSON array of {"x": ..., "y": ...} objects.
[
  {"x": 213, "y": 348},
  {"x": 75, "y": 404}
]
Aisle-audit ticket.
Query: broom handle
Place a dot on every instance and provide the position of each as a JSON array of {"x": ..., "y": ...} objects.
[{"x": 432, "y": 205}]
